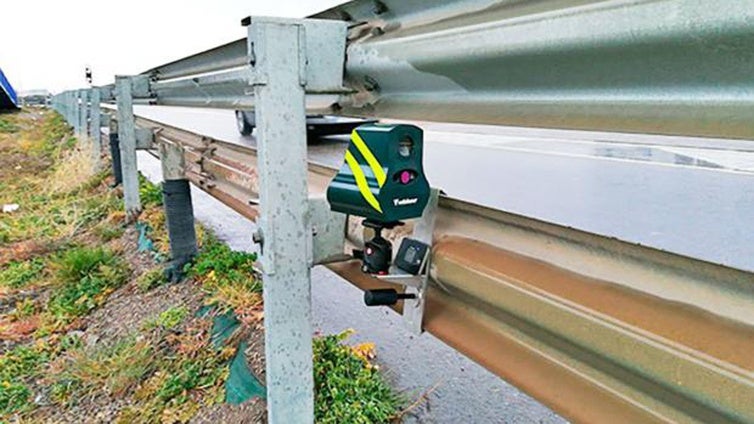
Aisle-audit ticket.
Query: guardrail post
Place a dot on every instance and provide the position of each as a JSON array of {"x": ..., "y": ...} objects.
[
  {"x": 179, "y": 212},
  {"x": 83, "y": 112},
  {"x": 86, "y": 110},
  {"x": 278, "y": 66},
  {"x": 76, "y": 118},
  {"x": 95, "y": 117},
  {"x": 127, "y": 144},
  {"x": 115, "y": 151},
  {"x": 74, "y": 121},
  {"x": 65, "y": 100},
  {"x": 73, "y": 114},
  {"x": 66, "y": 105}
]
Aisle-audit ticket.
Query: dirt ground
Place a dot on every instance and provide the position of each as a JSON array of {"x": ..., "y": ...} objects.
[{"x": 124, "y": 311}]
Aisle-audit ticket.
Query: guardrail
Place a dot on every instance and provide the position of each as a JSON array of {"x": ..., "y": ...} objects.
[{"x": 598, "y": 329}]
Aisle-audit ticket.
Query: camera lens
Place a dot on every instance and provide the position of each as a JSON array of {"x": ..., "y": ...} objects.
[{"x": 406, "y": 146}]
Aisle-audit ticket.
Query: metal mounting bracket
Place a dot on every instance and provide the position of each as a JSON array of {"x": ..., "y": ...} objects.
[
  {"x": 417, "y": 285},
  {"x": 144, "y": 138},
  {"x": 328, "y": 232}
]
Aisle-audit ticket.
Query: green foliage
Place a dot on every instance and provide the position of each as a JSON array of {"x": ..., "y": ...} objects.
[
  {"x": 77, "y": 299},
  {"x": 217, "y": 256},
  {"x": 55, "y": 129},
  {"x": 151, "y": 279},
  {"x": 16, "y": 368},
  {"x": 21, "y": 362},
  {"x": 88, "y": 275},
  {"x": 179, "y": 383},
  {"x": 168, "y": 319},
  {"x": 6, "y": 126},
  {"x": 150, "y": 194},
  {"x": 19, "y": 274},
  {"x": 228, "y": 277},
  {"x": 347, "y": 388},
  {"x": 70, "y": 342},
  {"x": 192, "y": 374},
  {"x": 226, "y": 265},
  {"x": 13, "y": 397},
  {"x": 24, "y": 309},
  {"x": 79, "y": 262}
]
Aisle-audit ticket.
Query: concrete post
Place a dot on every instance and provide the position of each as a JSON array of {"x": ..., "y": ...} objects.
[
  {"x": 278, "y": 66},
  {"x": 127, "y": 144},
  {"x": 179, "y": 212}
]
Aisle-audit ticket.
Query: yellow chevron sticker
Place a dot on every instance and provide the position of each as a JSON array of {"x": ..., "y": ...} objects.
[
  {"x": 361, "y": 181},
  {"x": 379, "y": 173}
]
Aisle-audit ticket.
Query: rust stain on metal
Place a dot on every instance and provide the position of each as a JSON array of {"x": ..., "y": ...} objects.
[
  {"x": 477, "y": 336},
  {"x": 726, "y": 340}
]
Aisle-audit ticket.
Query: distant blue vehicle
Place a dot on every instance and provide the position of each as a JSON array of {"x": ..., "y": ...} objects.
[{"x": 8, "y": 96}]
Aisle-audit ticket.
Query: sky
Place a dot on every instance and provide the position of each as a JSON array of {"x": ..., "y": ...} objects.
[{"x": 46, "y": 44}]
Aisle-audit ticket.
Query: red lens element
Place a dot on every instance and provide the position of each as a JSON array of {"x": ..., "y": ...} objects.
[{"x": 405, "y": 177}]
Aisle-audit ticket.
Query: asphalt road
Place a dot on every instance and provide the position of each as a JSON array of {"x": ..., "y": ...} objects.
[{"x": 689, "y": 196}]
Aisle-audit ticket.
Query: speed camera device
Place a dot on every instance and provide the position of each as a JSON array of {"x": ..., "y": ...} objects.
[{"x": 382, "y": 180}]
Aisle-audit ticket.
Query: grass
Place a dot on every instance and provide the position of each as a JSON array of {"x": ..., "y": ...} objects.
[
  {"x": 168, "y": 319},
  {"x": 18, "y": 274},
  {"x": 17, "y": 367},
  {"x": 348, "y": 388},
  {"x": 150, "y": 194},
  {"x": 24, "y": 309},
  {"x": 151, "y": 279},
  {"x": 190, "y": 373},
  {"x": 115, "y": 368},
  {"x": 7, "y": 125},
  {"x": 87, "y": 276},
  {"x": 49, "y": 176},
  {"x": 229, "y": 279},
  {"x": 79, "y": 262},
  {"x": 108, "y": 232}
]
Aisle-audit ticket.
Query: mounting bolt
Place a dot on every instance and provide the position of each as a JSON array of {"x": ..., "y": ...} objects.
[
  {"x": 370, "y": 84},
  {"x": 257, "y": 236},
  {"x": 385, "y": 297}
]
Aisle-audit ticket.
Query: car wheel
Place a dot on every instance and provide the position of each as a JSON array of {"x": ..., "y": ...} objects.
[{"x": 243, "y": 126}]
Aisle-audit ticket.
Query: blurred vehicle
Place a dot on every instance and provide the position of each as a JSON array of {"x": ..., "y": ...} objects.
[{"x": 316, "y": 125}]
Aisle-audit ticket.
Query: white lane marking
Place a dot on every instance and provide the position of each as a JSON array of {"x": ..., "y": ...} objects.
[{"x": 733, "y": 160}]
